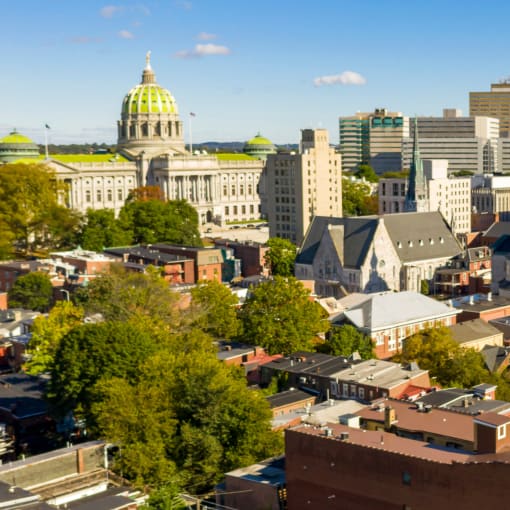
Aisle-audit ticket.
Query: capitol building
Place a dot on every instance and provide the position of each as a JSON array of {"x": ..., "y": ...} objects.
[{"x": 151, "y": 152}]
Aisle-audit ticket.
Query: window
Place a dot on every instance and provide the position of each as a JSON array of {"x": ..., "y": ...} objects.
[
  {"x": 502, "y": 431},
  {"x": 109, "y": 195},
  {"x": 87, "y": 196},
  {"x": 119, "y": 194},
  {"x": 226, "y": 210},
  {"x": 225, "y": 190},
  {"x": 99, "y": 195}
]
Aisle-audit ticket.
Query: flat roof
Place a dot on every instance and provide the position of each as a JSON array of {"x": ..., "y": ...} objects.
[
  {"x": 292, "y": 396},
  {"x": 270, "y": 472}
]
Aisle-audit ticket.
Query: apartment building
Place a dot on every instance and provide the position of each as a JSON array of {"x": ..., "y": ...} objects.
[{"x": 494, "y": 103}]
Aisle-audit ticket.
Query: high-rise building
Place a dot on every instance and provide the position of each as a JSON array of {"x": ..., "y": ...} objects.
[
  {"x": 495, "y": 103},
  {"x": 301, "y": 186},
  {"x": 468, "y": 143},
  {"x": 373, "y": 138}
]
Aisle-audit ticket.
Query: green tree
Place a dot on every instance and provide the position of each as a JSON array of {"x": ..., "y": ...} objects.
[
  {"x": 280, "y": 317},
  {"x": 47, "y": 331},
  {"x": 91, "y": 352},
  {"x": 424, "y": 287},
  {"x": 366, "y": 172},
  {"x": 193, "y": 413},
  {"x": 281, "y": 256},
  {"x": 30, "y": 208},
  {"x": 345, "y": 340},
  {"x": 166, "y": 497},
  {"x": 357, "y": 199},
  {"x": 32, "y": 291},
  {"x": 122, "y": 295},
  {"x": 154, "y": 221},
  {"x": 451, "y": 365},
  {"x": 214, "y": 309},
  {"x": 103, "y": 230}
]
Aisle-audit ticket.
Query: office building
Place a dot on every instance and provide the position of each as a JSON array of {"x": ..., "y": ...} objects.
[
  {"x": 495, "y": 103},
  {"x": 303, "y": 185},
  {"x": 468, "y": 143},
  {"x": 373, "y": 138}
]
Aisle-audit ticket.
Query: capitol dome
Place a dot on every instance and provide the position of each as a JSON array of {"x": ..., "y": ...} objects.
[
  {"x": 150, "y": 117},
  {"x": 259, "y": 147},
  {"x": 16, "y": 146}
]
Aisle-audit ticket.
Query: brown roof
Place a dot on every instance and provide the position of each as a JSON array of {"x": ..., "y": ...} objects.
[
  {"x": 436, "y": 421},
  {"x": 387, "y": 442},
  {"x": 492, "y": 419}
]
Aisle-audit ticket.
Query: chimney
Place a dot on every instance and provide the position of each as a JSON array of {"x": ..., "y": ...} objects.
[{"x": 390, "y": 418}]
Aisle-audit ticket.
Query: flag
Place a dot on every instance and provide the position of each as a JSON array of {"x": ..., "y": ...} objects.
[
  {"x": 46, "y": 126},
  {"x": 191, "y": 114}
]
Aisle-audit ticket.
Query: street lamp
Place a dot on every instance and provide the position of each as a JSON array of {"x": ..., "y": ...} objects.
[{"x": 66, "y": 292}]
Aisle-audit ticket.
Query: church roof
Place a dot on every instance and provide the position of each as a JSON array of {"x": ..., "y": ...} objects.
[{"x": 357, "y": 238}]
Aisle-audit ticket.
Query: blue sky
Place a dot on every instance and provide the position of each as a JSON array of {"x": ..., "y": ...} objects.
[{"x": 274, "y": 66}]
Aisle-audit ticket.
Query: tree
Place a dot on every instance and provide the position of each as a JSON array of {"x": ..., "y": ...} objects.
[
  {"x": 93, "y": 352},
  {"x": 122, "y": 295},
  {"x": 32, "y": 291},
  {"x": 194, "y": 415},
  {"x": 214, "y": 309},
  {"x": 345, "y": 340},
  {"x": 424, "y": 287},
  {"x": 30, "y": 208},
  {"x": 154, "y": 221},
  {"x": 103, "y": 230},
  {"x": 279, "y": 316},
  {"x": 357, "y": 199},
  {"x": 281, "y": 256},
  {"x": 366, "y": 172},
  {"x": 451, "y": 365},
  {"x": 47, "y": 333},
  {"x": 145, "y": 193}
]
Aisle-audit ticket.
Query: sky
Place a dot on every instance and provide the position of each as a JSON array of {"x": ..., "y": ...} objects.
[{"x": 269, "y": 66}]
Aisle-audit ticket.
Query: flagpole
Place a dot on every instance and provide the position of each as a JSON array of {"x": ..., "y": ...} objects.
[
  {"x": 46, "y": 141},
  {"x": 190, "y": 135}
]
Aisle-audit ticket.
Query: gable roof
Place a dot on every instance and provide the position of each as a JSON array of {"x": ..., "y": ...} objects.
[
  {"x": 421, "y": 236},
  {"x": 475, "y": 329},
  {"x": 498, "y": 229},
  {"x": 388, "y": 309},
  {"x": 357, "y": 238}
]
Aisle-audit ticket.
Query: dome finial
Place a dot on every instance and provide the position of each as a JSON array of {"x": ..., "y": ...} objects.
[
  {"x": 148, "y": 75},
  {"x": 148, "y": 60}
]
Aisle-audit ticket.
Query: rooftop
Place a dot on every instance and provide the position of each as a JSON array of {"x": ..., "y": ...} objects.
[
  {"x": 271, "y": 472},
  {"x": 292, "y": 396},
  {"x": 476, "y": 329}
]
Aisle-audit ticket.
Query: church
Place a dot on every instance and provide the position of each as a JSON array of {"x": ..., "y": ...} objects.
[{"x": 151, "y": 152}]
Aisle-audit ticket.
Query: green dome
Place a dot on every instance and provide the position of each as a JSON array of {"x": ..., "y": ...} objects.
[
  {"x": 259, "y": 147},
  {"x": 259, "y": 140},
  {"x": 149, "y": 98},
  {"x": 15, "y": 137}
]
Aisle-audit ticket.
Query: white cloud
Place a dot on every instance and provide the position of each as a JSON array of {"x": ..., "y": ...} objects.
[
  {"x": 204, "y": 36},
  {"x": 202, "y": 50},
  {"x": 126, "y": 34},
  {"x": 345, "y": 78},
  {"x": 108, "y": 11},
  {"x": 183, "y": 4},
  {"x": 85, "y": 40}
]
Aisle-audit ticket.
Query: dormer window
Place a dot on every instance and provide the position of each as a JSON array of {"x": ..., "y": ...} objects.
[
  {"x": 431, "y": 241},
  {"x": 410, "y": 244},
  {"x": 441, "y": 240},
  {"x": 421, "y": 242},
  {"x": 399, "y": 244}
]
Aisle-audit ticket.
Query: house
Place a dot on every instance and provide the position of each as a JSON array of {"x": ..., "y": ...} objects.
[
  {"x": 251, "y": 255},
  {"x": 401, "y": 457},
  {"x": 487, "y": 307},
  {"x": 338, "y": 377},
  {"x": 176, "y": 269},
  {"x": 496, "y": 359},
  {"x": 285, "y": 402},
  {"x": 375, "y": 253},
  {"x": 390, "y": 317},
  {"x": 476, "y": 334},
  {"x": 208, "y": 261},
  {"x": 468, "y": 273}
]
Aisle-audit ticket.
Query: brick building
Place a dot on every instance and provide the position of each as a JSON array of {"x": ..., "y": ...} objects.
[{"x": 341, "y": 467}]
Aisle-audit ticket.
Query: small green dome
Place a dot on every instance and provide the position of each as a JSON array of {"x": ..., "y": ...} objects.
[
  {"x": 149, "y": 98},
  {"x": 259, "y": 147},
  {"x": 16, "y": 146},
  {"x": 15, "y": 137},
  {"x": 259, "y": 140}
]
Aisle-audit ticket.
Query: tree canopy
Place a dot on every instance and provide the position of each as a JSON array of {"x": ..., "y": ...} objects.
[
  {"x": 279, "y": 316},
  {"x": 357, "y": 199},
  {"x": 102, "y": 230},
  {"x": 448, "y": 363},
  {"x": 181, "y": 417},
  {"x": 47, "y": 331},
  {"x": 281, "y": 256},
  {"x": 366, "y": 172},
  {"x": 214, "y": 309},
  {"x": 155, "y": 221},
  {"x": 345, "y": 340},
  {"x": 32, "y": 214},
  {"x": 32, "y": 291}
]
